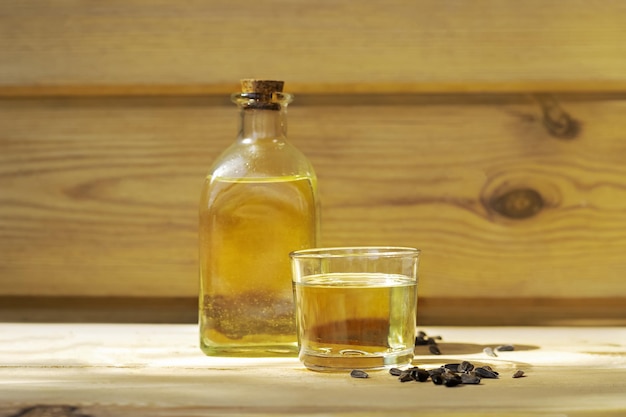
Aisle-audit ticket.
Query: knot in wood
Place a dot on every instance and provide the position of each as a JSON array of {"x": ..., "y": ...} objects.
[
  {"x": 556, "y": 120},
  {"x": 519, "y": 203}
]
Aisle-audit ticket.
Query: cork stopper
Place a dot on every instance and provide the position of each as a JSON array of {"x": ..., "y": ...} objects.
[{"x": 263, "y": 87}]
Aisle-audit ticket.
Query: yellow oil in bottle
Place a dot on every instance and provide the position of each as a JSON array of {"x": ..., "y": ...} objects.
[{"x": 248, "y": 227}]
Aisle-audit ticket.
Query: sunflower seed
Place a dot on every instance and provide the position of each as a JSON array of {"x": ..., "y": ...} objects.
[
  {"x": 406, "y": 376},
  {"x": 454, "y": 367},
  {"x": 518, "y": 374},
  {"x": 357, "y": 373},
  {"x": 437, "y": 379},
  {"x": 421, "y": 375},
  {"x": 465, "y": 367},
  {"x": 436, "y": 371},
  {"x": 487, "y": 367},
  {"x": 395, "y": 371},
  {"x": 453, "y": 380},
  {"x": 471, "y": 378},
  {"x": 421, "y": 341},
  {"x": 434, "y": 349},
  {"x": 489, "y": 351},
  {"x": 485, "y": 373},
  {"x": 505, "y": 348}
]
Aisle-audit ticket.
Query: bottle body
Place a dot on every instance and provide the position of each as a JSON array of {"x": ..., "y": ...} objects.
[{"x": 259, "y": 203}]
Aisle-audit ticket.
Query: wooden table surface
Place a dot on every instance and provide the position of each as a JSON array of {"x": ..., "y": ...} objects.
[{"x": 62, "y": 370}]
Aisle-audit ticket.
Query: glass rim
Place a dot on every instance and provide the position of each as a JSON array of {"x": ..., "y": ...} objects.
[{"x": 355, "y": 252}]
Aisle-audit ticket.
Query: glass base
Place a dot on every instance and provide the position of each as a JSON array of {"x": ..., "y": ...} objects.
[
  {"x": 335, "y": 363},
  {"x": 251, "y": 351}
]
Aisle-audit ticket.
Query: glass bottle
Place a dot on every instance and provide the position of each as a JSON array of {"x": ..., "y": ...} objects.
[{"x": 259, "y": 202}]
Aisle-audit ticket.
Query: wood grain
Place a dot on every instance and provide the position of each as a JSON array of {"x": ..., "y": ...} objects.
[
  {"x": 199, "y": 47},
  {"x": 98, "y": 197},
  {"x": 158, "y": 370},
  {"x": 111, "y": 113}
]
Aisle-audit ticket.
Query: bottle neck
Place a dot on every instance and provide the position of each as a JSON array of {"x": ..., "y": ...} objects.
[{"x": 256, "y": 124}]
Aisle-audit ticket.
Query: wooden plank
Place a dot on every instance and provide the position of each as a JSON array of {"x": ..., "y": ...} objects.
[
  {"x": 360, "y": 88},
  {"x": 84, "y": 309},
  {"x": 432, "y": 311},
  {"x": 99, "y": 197},
  {"x": 158, "y": 370},
  {"x": 200, "y": 47}
]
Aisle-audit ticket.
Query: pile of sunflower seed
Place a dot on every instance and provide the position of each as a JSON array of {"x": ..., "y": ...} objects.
[
  {"x": 450, "y": 375},
  {"x": 422, "y": 339}
]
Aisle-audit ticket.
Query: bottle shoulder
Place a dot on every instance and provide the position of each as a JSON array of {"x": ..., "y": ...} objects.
[{"x": 265, "y": 158}]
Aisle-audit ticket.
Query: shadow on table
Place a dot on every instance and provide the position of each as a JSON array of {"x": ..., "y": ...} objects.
[
  {"x": 452, "y": 353},
  {"x": 468, "y": 349}
]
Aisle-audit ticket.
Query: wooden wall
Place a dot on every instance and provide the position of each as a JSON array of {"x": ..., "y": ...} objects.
[{"x": 490, "y": 134}]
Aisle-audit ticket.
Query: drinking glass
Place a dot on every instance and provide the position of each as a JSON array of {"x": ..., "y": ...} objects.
[{"x": 355, "y": 306}]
